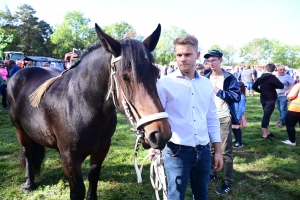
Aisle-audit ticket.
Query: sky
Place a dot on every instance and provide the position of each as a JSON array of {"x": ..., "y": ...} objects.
[{"x": 220, "y": 22}]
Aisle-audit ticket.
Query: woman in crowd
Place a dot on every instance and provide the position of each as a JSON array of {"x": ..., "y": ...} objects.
[
  {"x": 3, "y": 71},
  {"x": 293, "y": 114},
  {"x": 266, "y": 85}
]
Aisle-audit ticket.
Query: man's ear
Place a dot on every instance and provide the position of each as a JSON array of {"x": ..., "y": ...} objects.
[{"x": 198, "y": 54}]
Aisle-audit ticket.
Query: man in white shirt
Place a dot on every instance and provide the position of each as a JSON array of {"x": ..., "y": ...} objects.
[{"x": 189, "y": 101}]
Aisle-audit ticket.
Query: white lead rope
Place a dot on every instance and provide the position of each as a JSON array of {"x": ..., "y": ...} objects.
[{"x": 157, "y": 173}]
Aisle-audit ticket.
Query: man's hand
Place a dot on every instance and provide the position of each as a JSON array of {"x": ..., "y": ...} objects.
[
  {"x": 153, "y": 152},
  {"x": 216, "y": 90},
  {"x": 218, "y": 158},
  {"x": 218, "y": 164}
]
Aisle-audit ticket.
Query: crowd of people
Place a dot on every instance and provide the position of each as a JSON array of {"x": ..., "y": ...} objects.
[{"x": 210, "y": 104}]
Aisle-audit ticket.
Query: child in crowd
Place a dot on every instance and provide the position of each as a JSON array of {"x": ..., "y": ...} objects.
[{"x": 240, "y": 109}]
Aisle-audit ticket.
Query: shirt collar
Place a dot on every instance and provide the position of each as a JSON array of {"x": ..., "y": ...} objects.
[{"x": 178, "y": 74}]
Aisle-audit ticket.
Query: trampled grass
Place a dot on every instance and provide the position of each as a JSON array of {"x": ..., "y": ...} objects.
[{"x": 262, "y": 170}]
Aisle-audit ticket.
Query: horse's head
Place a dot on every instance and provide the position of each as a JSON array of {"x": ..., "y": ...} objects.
[{"x": 135, "y": 85}]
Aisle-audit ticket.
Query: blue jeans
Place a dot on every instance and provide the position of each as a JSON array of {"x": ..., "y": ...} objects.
[
  {"x": 281, "y": 103},
  {"x": 249, "y": 85},
  {"x": 183, "y": 163}
]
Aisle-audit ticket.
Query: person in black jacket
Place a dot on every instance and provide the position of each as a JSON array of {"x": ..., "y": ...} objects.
[{"x": 266, "y": 85}]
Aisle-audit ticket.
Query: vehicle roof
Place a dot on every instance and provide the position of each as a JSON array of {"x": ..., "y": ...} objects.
[
  {"x": 18, "y": 52},
  {"x": 42, "y": 59}
]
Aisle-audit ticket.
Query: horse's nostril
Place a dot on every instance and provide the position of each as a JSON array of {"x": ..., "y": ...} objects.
[{"x": 153, "y": 137}]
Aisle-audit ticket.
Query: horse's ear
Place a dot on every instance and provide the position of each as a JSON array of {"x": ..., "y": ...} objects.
[
  {"x": 151, "y": 41},
  {"x": 111, "y": 45}
]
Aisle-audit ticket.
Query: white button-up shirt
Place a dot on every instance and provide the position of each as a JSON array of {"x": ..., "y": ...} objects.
[{"x": 191, "y": 107}]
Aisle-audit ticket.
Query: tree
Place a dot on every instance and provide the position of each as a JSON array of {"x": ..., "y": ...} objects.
[
  {"x": 31, "y": 35},
  {"x": 259, "y": 50},
  {"x": 164, "y": 52},
  {"x": 4, "y": 40},
  {"x": 287, "y": 55},
  {"x": 118, "y": 30},
  {"x": 74, "y": 32}
]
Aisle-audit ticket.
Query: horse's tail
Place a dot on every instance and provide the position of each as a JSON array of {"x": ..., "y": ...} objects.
[{"x": 38, "y": 155}]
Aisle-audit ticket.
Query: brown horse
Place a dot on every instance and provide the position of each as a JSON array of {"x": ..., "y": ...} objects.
[{"x": 77, "y": 113}]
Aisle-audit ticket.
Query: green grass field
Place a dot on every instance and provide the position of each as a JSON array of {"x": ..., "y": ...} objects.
[{"x": 262, "y": 170}]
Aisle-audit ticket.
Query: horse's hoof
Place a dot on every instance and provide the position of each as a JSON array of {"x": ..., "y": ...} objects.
[
  {"x": 29, "y": 189},
  {"x": 26, "y": 191}
]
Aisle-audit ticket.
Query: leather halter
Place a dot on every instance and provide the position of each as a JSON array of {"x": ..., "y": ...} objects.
[{"x": 129, "y": 109}]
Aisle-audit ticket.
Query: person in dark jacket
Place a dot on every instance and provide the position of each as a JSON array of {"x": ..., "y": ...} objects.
[
  {"x": 266, "y": 85},
  {"x": 227, "y": 92},
  {"x": 13, "y": 68}
]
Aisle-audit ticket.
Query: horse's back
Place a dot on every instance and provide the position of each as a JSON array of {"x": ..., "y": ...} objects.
[{"x": 29, "y": 79}]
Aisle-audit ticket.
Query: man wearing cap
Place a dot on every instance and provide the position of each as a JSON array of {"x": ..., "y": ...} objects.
[
  {"x": 227, "y": 92},
  {"x": 14, "y": 68}
]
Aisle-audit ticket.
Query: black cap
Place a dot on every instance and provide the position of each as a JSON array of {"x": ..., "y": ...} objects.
[{"x": 213, "y": 53}]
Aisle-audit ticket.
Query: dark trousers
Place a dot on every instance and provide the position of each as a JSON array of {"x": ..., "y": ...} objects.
[
  {"x": 3, "y": 93},
  {"x": 268, "y": 108},
  {"x": 292, "y": 118}
]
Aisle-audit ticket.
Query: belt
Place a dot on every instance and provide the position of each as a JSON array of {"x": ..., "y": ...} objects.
[{"x": 184, "y": 146}]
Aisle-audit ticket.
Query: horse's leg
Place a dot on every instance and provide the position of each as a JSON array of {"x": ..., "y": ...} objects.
[
  {"x": 26, "y": 160},
  {"x": 72, "y": 167},
  {"x": 31, "y": 158},
  {"x": 96, "y": 161},
  {"x": 98, "y": 157}
]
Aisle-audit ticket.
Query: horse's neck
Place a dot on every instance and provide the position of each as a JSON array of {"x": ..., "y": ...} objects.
[{"x": 92, "y": 81}]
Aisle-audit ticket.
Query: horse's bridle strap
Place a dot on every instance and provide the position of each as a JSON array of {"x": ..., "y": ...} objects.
[{"x": 151, "y": 118}]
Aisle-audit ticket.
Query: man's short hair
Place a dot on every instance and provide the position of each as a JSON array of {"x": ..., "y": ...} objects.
[
  {"x": 12, "y": 62},
  {"x": 270, "y": 67},
  {"x": 199, "y": 66},
  {"x": 186, "y": 40}
]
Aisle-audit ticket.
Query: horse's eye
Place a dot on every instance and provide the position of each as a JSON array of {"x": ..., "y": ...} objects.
[{"x": 126, "y": 77}]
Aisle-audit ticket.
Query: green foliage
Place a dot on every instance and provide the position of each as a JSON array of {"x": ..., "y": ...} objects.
[
  {"x": 164, "y": 52},
  {"x": 262, "y": 169},
  {"x": 260, "y": 50},
  {"x": 4, "y": 40},
  {"x": 118, "y": 30},
  {"x": 287, "y": 55},
  {"x": 74, "y": 32},
  {"x": 32, "y": 35}
]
